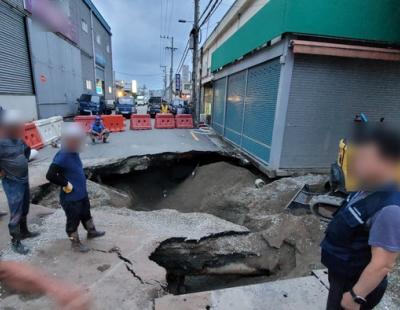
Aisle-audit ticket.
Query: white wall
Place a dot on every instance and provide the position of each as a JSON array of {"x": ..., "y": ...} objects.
[
  {"x": 26, "y": 104},
  {"x": 239, "y": 14}
]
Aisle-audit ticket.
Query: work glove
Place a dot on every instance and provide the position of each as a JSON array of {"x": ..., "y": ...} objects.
[{"x": 68, "y": 188}]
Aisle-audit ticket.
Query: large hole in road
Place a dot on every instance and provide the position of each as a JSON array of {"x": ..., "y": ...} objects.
[{"x": 276, "y": 246}]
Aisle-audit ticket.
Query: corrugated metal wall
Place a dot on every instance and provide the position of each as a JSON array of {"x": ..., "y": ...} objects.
[
  {"x": 246, "y": 115},
  {"x": 234, "y": 107},
  {"x": 15, "y": 72},
  {"x": 219, "y": 105},
  {"x": 260, "y": 104},
  {"x": 326, "y": 93}
]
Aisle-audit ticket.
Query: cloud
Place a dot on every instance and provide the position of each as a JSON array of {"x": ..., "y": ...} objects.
[{"x": 137, "y": 25}]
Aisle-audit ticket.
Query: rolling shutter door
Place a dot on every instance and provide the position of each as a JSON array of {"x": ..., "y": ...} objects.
[
  {"x": 234, "y": 107},
  {"x": 219, "y": 105},
  {"x": 260, "y": 105},
  {"x": 15, "y": 71}
]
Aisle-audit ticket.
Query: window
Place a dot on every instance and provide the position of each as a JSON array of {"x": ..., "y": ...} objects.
[
  {"x": 109, "y": 89},
  {"x": 108, "y": 49},
  {"x": 85, "y": 26},
  {"x": 88, "y": 84},
  {"x": 98, "y": 39}
]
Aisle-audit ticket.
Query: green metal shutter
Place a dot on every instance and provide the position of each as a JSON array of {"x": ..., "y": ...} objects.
[
  {"x": 260, "y": 105},
  {"x": 234, "y": 107},
  {"x": 219, "y": 105},
  {"x": 15, "y": 71}
]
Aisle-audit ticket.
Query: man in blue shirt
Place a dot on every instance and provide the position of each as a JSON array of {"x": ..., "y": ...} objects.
[
  {"x": 14, "y": 156},
  {"x": 99, "y": 131},
  {"x": 362, "y": 241},
  {"x": 67, "y": 172}
]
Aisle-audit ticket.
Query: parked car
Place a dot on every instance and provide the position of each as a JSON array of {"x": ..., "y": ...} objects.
[
  {"x": 155, "y": 105},
  {"x": 140, "y": 100},
  {"x": 125, "y": 106},
  {"x": 178, "y": 106},
  {"x": 89, "y": 104}
]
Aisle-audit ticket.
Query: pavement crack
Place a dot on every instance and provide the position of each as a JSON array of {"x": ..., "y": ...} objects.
[{"x": 134, "y": 274}]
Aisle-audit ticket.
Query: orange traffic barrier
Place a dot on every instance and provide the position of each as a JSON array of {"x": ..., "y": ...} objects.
[
  {"x": 86, "y": 121},
  {"x": 164, "y": 121},
  {"x": 140, "y": 122},
  {"x": 184, "y": 121},
  {"x": 114, "y": 123},
  {"x": 32, "y": 137}
]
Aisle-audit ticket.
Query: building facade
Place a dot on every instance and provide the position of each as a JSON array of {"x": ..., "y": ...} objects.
[
  {"x": 16, "y": 79},
  {"x": 285, "y": 84},
  {"x": 68, "y": 52}
]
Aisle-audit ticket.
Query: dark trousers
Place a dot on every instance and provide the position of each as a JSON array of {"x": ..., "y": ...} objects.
[
  {"x": 18, "y": 199},
  {"x": 77, "y": 212},
  {"x": 340, "y": 285}
]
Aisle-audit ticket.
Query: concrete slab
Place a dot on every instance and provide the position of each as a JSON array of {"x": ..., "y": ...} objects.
[
  {"x": 322, "y": 275},
  {"x": 117, "y": 272},
  {"x": 293, "y": 294}
]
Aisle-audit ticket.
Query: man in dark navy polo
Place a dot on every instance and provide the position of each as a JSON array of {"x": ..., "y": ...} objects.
[
  {"x": 362, "y": 242},
  {"x": 67, "y": 172}
]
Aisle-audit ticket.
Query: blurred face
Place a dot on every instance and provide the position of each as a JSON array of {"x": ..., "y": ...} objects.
[
  {"x": 370, "y": 168},
  {"x": 14, "y": 131},
  {"x": 73, "y": 144}
]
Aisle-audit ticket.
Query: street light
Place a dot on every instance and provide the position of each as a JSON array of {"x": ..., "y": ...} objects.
[{"x": 183, "y": 21}]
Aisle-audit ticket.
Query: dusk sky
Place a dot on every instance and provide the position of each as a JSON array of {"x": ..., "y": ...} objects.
[{"x": 137, "y": 25}]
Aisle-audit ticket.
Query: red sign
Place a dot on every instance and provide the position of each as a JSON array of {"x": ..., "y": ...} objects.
[{"x": 43, "y": 78}]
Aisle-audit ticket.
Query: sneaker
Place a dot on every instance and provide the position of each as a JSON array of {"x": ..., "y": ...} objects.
[{"x": 19, "y": 248}]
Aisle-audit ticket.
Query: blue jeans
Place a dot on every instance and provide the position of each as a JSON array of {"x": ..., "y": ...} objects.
[{"x": 17, "y": 194}]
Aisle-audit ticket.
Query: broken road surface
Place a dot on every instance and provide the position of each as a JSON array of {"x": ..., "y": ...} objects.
[{"x": 118, "y": 271}]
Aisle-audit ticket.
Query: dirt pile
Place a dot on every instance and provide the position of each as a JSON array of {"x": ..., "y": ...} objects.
[
  {"x": 229, "y": 192},
  {"x": 212, "y": 189}
]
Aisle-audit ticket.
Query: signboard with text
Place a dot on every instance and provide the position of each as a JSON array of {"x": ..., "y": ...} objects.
[{"x": 178, "y": 82}]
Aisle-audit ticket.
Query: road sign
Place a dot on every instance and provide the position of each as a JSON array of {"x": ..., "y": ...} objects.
[{"x": 177, "y": 82}]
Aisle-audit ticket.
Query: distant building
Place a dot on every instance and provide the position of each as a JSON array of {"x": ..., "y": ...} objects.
[
  {"x": 156, "y": 93},
  {"x": 53, "y": 52},
  {"x": 185, "y": 74},
  {"x": 284, "y": 79}
]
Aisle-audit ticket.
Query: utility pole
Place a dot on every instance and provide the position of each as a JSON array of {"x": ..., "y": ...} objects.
[
  {"x": 171, "y": 72},
  {"x": 165, "y": 80},
  {"x": 195, "y": 45}
]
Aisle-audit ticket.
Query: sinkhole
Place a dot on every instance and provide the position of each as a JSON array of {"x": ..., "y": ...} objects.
[{"x": 203, "y": 182}]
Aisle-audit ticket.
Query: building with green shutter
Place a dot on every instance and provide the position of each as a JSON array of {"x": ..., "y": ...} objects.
[{"x": 283, "y": 79}]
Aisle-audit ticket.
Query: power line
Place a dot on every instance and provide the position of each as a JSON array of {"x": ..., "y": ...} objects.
[
  {"x": 212, "y": 11},
  {"x": 136, "y": 74},
  {"x": 183, "y": 58},
  {"x": 205, "y": 10}
]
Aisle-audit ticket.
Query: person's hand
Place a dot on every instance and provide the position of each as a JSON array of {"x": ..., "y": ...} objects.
[
  {"x": 2, "y": 174},
  {"x": 68, "y": 188},
  {"x": 69, "y": 297},
  {"x": 348, "y": 302}
]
